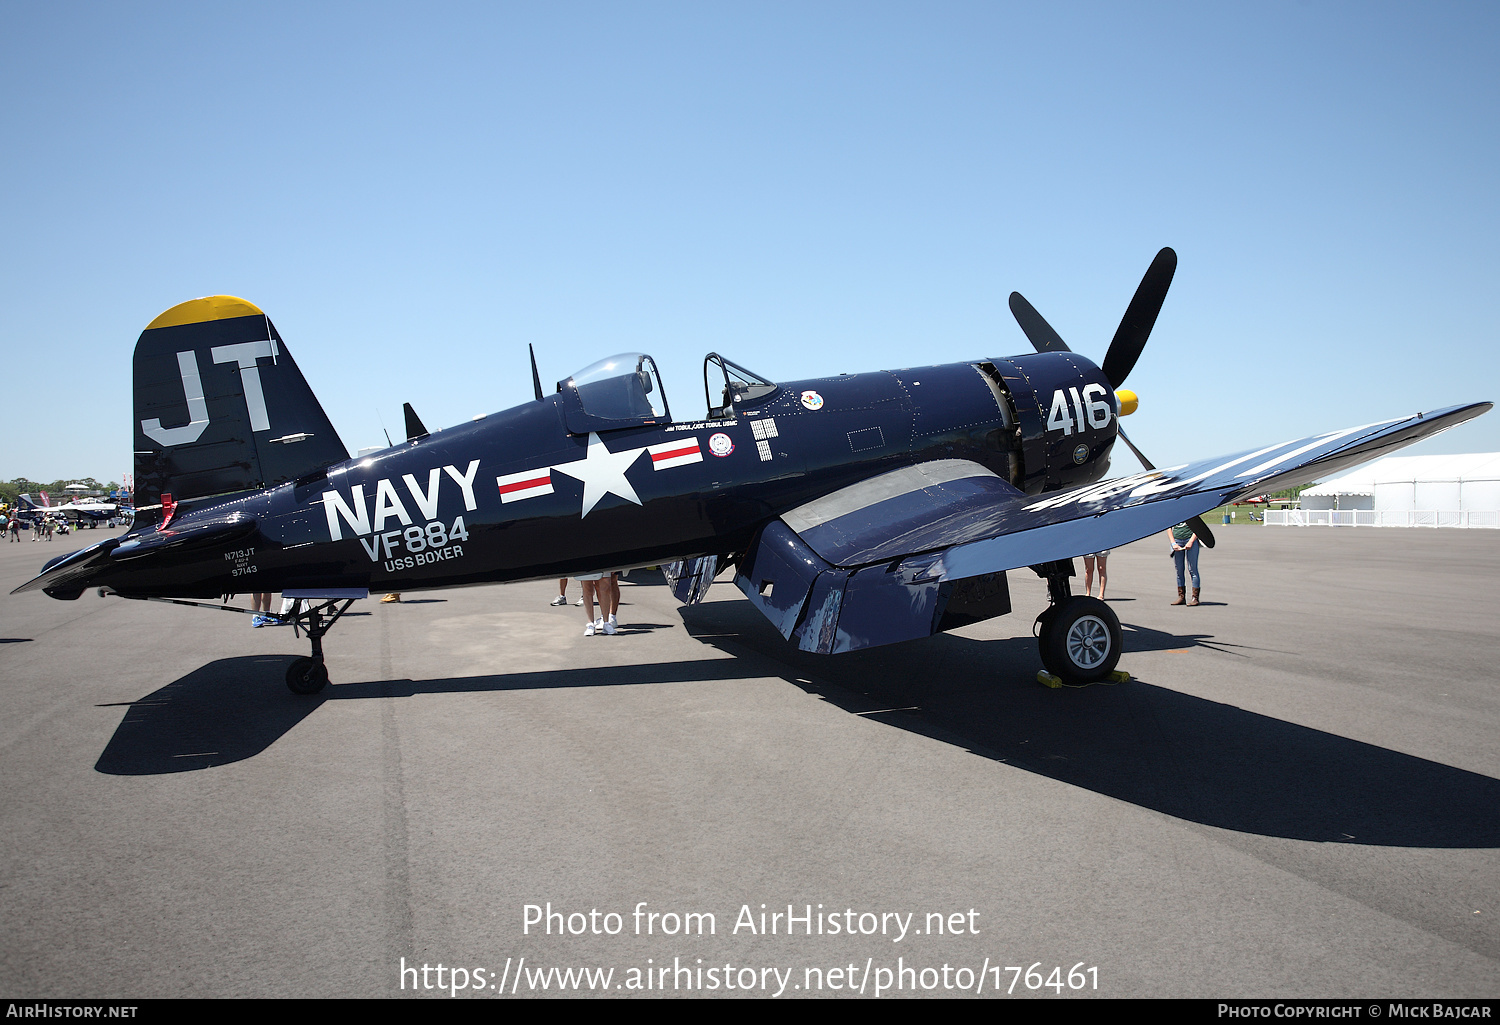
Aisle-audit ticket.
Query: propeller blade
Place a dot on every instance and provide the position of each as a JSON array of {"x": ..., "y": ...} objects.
[
  {"x": 1201, "y": 529},
  {"x": 1036, "y": 327},
  {"x": 1140, "y": 318},
  {"x": 1138, "y": 454}
]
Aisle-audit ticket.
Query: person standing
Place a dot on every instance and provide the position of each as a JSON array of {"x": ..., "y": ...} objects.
[
  {"x": 596, "y": 588},
  {"x": 609, "y": 601},
  {"x": 260, "y": 604},
  {"x": 1185, "y": 551},
  {"x": 1090, "y": 563},
  {"x": 590, "y": 582}
]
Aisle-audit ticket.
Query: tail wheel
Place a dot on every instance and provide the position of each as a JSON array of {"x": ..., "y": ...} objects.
[
  {"x": 307, "y": 676},
  {"x": 1080, "y": 639}
]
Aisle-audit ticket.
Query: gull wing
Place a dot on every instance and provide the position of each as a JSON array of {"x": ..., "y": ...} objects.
[{"x": 925, "y": 548}]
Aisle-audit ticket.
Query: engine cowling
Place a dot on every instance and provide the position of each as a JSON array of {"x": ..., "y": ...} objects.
[{"x": 1067, "y": 414}]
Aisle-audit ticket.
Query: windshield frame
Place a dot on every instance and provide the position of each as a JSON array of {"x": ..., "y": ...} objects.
[{"x": 748, "y": 389}]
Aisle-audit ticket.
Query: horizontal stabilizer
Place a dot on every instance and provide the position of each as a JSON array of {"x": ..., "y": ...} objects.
[
  {"x": 225, "y": 531},
  {"x": 327, "y": 593},
  {"x": 65, "y": 576}
]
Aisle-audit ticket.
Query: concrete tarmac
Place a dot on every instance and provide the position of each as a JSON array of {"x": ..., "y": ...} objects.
[{"x": 1297, "y": 796}]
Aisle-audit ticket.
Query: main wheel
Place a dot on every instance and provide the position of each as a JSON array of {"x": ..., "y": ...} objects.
[
  {"x": 307, "y": 676},
  {"x": 1080, "y": 639}
]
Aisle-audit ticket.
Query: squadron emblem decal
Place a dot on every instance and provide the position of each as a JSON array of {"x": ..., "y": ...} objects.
[{"x": 812, "y": 400}]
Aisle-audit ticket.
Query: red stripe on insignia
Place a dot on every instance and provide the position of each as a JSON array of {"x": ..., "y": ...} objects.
[
  {"x": 523, "y": 485},
  {"x": 687, "y": 450}
]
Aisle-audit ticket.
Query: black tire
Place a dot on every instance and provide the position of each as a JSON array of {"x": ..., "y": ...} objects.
[
  {"x": 307, "y": 676},
  {"x": 1080, "y": 640}
]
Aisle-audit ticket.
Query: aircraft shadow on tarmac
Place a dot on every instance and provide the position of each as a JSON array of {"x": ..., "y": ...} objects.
[
  {"x": 1195, "y": 759},
  {"x": 235, "y": 708},
  {"x": 223, "y": 712}
]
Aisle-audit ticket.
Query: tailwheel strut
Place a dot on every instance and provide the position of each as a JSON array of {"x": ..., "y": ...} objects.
[{"x": 310, "y": 675}]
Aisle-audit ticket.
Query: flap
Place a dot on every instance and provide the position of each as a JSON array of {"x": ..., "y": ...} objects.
[
  {"x": 690, "y": 579},
  {"x": 914, "y": 509}
]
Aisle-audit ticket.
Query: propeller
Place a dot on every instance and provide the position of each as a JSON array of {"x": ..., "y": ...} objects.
[
  {"x": 1140, "y": 317},
  {"x": 1135, "y": 327},
  {"x": 1125, "y": 348},
  {"x": 1035, "y": 325}
]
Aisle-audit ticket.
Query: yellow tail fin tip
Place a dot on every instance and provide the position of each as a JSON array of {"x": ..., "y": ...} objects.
[{"x": 210, "y": 307}]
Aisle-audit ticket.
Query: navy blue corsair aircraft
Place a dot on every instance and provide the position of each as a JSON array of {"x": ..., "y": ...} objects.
[{"x": 857, "y": 510}]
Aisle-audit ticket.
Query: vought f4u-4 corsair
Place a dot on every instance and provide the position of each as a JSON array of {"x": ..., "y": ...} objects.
[{"x": 856, "y": 510}]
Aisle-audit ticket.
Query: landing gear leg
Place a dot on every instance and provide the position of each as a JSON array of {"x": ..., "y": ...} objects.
[
  {"x": 310, "y": 675},
  {"x": 1079, "y": 637}
]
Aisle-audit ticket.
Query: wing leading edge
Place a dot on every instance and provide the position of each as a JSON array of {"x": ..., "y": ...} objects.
[{"x": 925, "y": 548}]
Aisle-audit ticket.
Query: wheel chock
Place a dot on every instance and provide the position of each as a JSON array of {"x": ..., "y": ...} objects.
[
  {"x": 1120, "y": 676},
  {"x": 1047, "y": 679}
]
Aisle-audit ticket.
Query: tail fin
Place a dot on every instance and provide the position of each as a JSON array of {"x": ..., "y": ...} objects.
[{"x": 220, "y": 406}]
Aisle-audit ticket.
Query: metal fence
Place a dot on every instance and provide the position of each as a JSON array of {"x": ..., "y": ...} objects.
[{"x": 1382, "y": 518}]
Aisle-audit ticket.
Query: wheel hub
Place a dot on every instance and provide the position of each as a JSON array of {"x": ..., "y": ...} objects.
[{"x": 1088, "y": 642}]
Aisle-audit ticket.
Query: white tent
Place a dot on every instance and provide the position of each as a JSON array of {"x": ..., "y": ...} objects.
[
  {"x": 1356, "y": 491},
  {"x": 1407, "y": 491}
]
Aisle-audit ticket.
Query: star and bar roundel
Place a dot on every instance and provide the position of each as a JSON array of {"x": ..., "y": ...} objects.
[{"x": 601, "y": 471}]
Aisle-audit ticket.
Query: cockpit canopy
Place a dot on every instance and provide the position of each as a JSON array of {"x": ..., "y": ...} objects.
[
  {"x": 741, "y": 387},
  {"x": 625, "y": 390},
  {"x": 621, "y": 391}
]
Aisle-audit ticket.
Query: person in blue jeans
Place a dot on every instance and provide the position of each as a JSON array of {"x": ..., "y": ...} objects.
[{"x": 1185, "y": 550}]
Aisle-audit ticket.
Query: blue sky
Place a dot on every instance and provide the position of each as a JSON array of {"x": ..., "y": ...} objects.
[{"x": 415, "y": 192}]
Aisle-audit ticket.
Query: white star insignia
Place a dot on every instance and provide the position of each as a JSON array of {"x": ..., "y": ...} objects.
[{"x": 602, "y": 473}]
